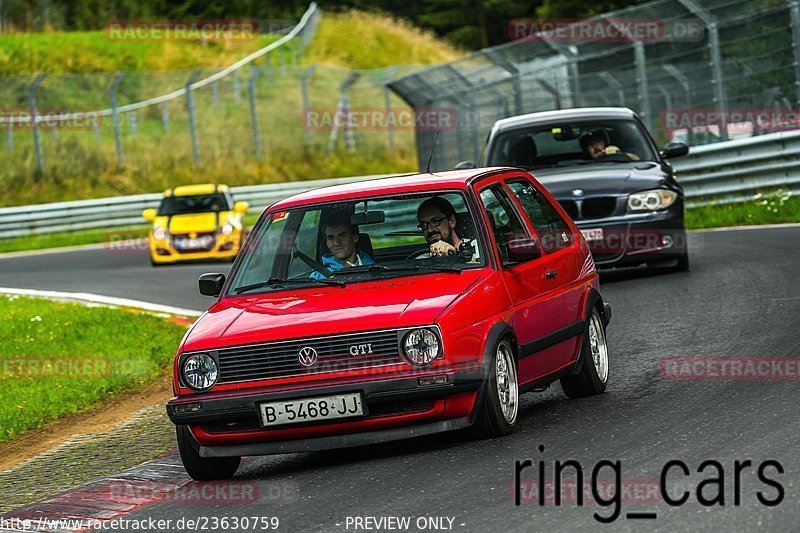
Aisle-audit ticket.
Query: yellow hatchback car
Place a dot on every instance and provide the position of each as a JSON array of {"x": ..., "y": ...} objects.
[{"x": 196, "y": 222}]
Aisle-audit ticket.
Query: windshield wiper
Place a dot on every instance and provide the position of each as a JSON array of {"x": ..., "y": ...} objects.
[
  {"x": 275, "y": 282},
  {"x": 409, "y": 268}
]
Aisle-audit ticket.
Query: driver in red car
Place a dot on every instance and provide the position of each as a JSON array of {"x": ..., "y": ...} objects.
[
  {"x": 341, "y": 238},
  {"x": 437, "y": 220}
]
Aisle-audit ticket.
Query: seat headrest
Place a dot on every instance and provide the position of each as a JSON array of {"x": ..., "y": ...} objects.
[{"x": 523, "y": 152}]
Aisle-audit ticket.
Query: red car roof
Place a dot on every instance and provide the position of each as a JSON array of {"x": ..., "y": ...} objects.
[{"x": 409, "y": 183}]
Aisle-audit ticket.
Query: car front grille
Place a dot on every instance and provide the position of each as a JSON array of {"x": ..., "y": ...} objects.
[
  {"x": 590, "y": 208},
  {"x": 601, "y": 207},
  {"x": 571, "y": 207},
  {"x": 281, "y": 359}
]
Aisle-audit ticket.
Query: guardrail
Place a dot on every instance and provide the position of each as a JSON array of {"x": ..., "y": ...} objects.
[
  {"x": 719, "y": 173},
  {"x": 127, "y": 210},
  {"x": 736, "y": 170}
]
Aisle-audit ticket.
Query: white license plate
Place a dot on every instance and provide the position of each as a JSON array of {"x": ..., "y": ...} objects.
[
  {"x": 191, "y": 244},
  {"x": 311, "y": 409},
  {"x": 594, "y": 234}
]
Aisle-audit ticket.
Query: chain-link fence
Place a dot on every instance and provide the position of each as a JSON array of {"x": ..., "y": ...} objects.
[{"x": 696, "y": 70}]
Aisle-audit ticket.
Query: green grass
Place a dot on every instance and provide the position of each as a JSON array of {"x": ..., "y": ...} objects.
[
  {"x": 94, "y": 51},
  {"x": 764, "y": 210},
  {"x": 70, "y": 238},
  {"x": 110, "y": 351}
]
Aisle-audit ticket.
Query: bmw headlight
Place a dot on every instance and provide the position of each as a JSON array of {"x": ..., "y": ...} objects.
[
  {"x": 421, "y": 347},
  {"x": 651, "y": 200},
  {"x": 159, "y": 234},
  {"x": 200, "y": 371},
  {"x": 227, "y": 229}
]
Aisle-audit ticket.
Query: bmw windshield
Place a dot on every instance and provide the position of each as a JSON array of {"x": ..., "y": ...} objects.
[
  {"x": 344, "y": 242},
  {"x": 577, "y": 142}
]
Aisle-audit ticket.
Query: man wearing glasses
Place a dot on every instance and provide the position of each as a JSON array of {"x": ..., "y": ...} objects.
[{"x": 437, "y": 221}]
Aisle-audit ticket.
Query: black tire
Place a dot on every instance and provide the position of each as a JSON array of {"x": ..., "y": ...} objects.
[
  {"x": 593, "y": 376},
  {"x": 491, "y": 420},
  {"x": 203, "y": 468}
]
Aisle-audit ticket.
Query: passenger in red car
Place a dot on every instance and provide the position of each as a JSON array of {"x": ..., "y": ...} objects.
[
  {"x": 437, "y": 220},
  {"x": 341, "y": 238}
]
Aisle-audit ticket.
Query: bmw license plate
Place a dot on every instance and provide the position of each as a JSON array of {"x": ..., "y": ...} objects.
[
  {"x": 311, "y": 409},
  {"x": 594, "y": 234}
]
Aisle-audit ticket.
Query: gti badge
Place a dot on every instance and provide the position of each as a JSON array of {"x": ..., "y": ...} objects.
[
  {"x": 577, "y": 192},
  {"x": 360, "y": 349},
  {"x": 307, "y": 356}
]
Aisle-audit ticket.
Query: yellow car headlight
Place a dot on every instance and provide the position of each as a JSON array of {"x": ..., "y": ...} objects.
[{"x": 159, "y": 234}]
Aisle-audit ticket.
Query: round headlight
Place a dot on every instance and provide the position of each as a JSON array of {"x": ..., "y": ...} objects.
[
  {"x": 421, "y": 347},
  {"x": 159, "y": 234},
  {"x": 652, "y": 200},
  {"x": 227, "y": 229},
  {"x": 200, "y": 371}
]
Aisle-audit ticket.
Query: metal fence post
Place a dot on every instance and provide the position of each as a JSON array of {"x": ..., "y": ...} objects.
[
  {"x": 132, "y": 123},
  {"x": 37, "y": 145},
  {"x": 164, "y": 117},
  {"x": 615, "y": 85},
  {"x": 641, "y": 82},
  {"x": 95, "y": 128},
  {"x": 794, "y": 12},
  {"x": 251, "y": 95},
  {"x": 550, "y": 89},
  {"x": 309, "y": 137},
  {"x": 387, "y": 105},
  {"x": 683, "y": 81},
  {"x": 214, "y": 95},
  {"x": 10, "y": 135},
  {"x": 516, "y": 79},
  {"x": 192, "y": 118},
  {"x": 235, "y": 85},
  {"x": 710, "y": 22},
  {"x": 343, "y": 110},
  {"x": 112, "y": 93}
]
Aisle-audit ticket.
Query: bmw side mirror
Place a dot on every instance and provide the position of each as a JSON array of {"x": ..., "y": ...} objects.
[
  {"x": 524, "y": 249},
  {"x": 675, "y": 149},
  {"x": 211, "y": 284},
  {"x": 465, "y": 165}
]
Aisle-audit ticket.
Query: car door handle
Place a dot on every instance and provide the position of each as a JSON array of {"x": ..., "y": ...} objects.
[{"x": 551, "y": 273}]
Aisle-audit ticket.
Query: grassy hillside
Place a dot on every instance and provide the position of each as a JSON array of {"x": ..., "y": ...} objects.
[
  {"x": 85, "y": 52},
  {"x": 82, "y": 163}
]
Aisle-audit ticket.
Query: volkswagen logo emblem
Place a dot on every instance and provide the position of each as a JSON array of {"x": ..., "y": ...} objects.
[
  {"x": 307, "y": 356},
  {"x": 577, "y": 192}
]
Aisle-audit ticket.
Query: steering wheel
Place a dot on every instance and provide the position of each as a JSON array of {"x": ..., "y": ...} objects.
[
  {"x": 415, "y": 253},
  {"x": 621, "y": 157}
]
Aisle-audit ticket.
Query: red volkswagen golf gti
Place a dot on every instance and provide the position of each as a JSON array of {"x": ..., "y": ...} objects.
[{"x": 387, "y": 309}]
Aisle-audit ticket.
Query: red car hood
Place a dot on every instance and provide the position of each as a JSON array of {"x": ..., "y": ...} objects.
[{"x": 318, "y": 311}]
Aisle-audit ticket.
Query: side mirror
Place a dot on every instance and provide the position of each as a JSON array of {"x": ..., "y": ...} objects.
[
  {"x": 241, "y": 207},
  {"x": 525, "y": 249},
  {"x": 465, "y": 165},
  {"x": 675, "y": 149},
  {"x": 211, "y": 284},
  {"x": 149, "y": 214}
]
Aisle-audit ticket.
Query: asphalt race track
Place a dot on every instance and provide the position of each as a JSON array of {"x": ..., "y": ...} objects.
[{"x": 741, "y": 298}]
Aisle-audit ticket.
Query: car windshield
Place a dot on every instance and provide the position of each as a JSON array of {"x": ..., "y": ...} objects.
[
  {"x": 346, "y": 242},
  {"x": 577, "y": 142},
  {"x": 196, "y": 203}
]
